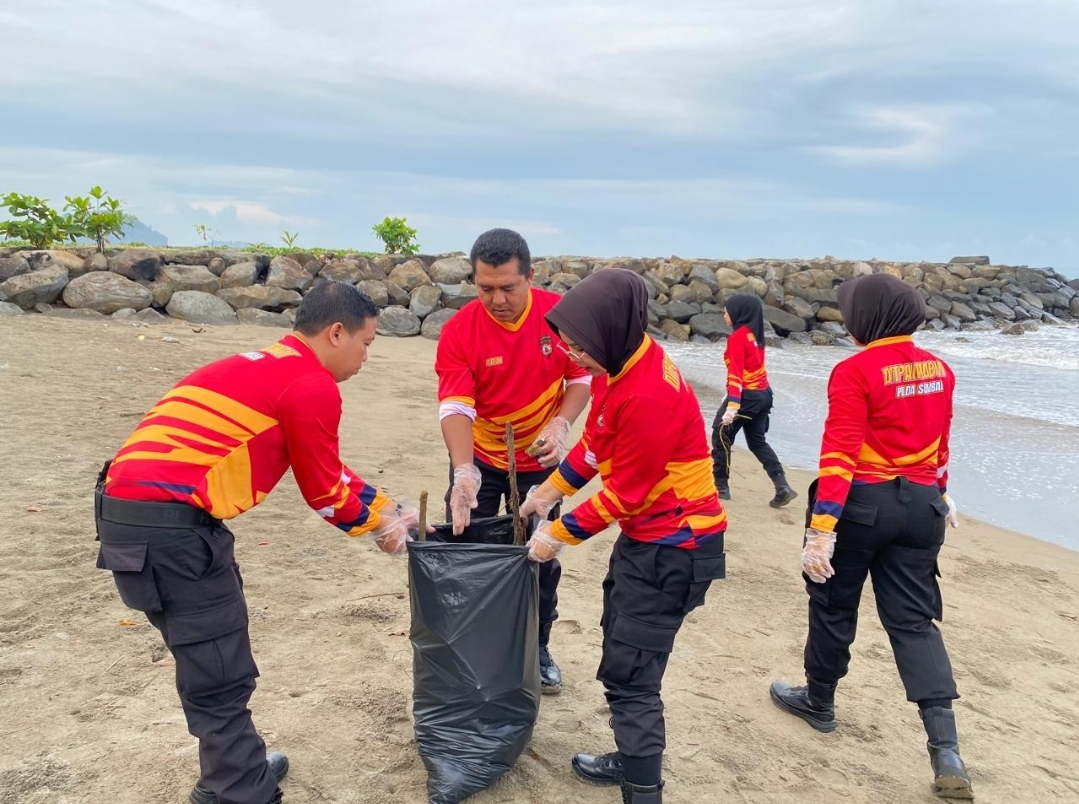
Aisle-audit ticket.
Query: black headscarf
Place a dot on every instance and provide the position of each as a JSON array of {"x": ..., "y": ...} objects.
[
  {"x": 606, "y": 314},
  {"x": 880, "y": 306},
  {"x": 747, "y": 310}
]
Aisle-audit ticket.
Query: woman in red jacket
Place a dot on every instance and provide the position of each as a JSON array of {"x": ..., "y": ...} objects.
[
  {"x": 879, "y": 509},
  {"x": 644, "y": 438},
  {"x": 749, "y": 399}
]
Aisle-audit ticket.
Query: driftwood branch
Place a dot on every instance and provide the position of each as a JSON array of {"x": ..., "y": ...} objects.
[{"x": 515, "y": 497}]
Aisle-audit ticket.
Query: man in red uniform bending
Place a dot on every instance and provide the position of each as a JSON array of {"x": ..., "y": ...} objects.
[
  {"x": 213, "y": 447},
  {"x": 499, "y": 361}
]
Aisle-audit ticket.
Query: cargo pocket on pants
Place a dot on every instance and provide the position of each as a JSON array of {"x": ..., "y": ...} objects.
[
  {"x": 134, "y": 579},
  {"x": 705, "y": 570},
  {"x": 212, "y": 647},
  {"x": 635, "y": 653}
]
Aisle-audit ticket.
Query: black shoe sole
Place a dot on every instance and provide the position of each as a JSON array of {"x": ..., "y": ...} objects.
[
  {"x": 550, "y": 689},
  {"x": 592, "y": 780},
  {"x": 953, "y": 787},
  {"x": 826, "y": 727}
]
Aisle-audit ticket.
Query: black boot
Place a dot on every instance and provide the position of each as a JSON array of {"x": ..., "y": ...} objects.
[
  {"x": 814, "y": 703},
  {"x": 642, "y": 794},
  {"x": 550, "y": 675},
  {"x": 723, "y": 487},
  {"x": 950, "y": 778},
  {"x": 278, "y": 763},
  {"x": 784, "y": 493},
  {"x": 604, "y": 770}
]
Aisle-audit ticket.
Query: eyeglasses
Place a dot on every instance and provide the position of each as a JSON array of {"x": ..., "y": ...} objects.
[{"x": 576, "y": 358}]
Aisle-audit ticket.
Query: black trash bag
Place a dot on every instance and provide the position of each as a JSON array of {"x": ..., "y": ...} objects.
[{"x": 475, "y": 641}]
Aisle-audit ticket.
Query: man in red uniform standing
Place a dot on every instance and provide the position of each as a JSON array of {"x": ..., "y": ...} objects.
[
  {"x": 879, "y": 508},
  {"x": 213, "y": 447},
  {"x": 499, "y": 361}
]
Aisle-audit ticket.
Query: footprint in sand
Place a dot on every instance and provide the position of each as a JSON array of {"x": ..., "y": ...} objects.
[{"x": 831, "y": 778}]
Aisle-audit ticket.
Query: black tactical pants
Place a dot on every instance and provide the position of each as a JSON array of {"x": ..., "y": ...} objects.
[
  {"x": 648, "y": 591},
  {"x": 752, "y": 419},
  {"x": 186, "y": 581},
  {"x": 893, "y": 532},
  {"x": 493, "y": 495}
]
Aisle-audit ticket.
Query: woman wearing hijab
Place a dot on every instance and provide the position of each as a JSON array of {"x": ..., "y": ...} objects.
[
  {"x": 749, "y": 399},
  {"x": 645, "y": 439},
  {"x": 879, "y": 507}
]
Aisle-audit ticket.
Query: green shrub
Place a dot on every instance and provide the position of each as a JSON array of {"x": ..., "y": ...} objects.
[
  {"x": 35, "y": 222},
  {"x": 397, "y": 235},
  {"x": 98, "y": 216}
]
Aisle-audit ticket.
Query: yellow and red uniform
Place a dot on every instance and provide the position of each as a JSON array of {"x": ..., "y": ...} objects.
[
  {"x": 645, "y": 438},
  {"x": 889, "y": 415},
  {"x": 495, "y": 373},
  {"x": 745, "y": 366},
  {"x": 224, "y": 436}
]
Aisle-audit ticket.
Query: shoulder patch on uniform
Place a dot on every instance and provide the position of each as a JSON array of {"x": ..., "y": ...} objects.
[{"x": 253, "y": 355}]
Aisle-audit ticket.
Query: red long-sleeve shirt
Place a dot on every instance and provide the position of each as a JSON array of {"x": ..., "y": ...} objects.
[
  {"x": 745, "y": 366},
  {"x": 224, "y": 436},
  {"x": 646, "y": 439},
  {"x": 889, "y": 415}
]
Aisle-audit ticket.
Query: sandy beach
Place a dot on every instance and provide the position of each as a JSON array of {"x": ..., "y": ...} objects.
[{"x": 88, "y": 711}]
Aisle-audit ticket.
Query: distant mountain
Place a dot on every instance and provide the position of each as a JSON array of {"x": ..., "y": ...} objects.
[{"x": 139, "y": 232}]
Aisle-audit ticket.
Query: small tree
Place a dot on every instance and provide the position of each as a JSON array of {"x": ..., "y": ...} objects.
[
  {"x": 206, "y": 233},
  {"x": 34, "y": 221},
  {"x": 399, "y": 237},
  {"x": 98, "y": 216},
  {"x": 290, "y": 238}
]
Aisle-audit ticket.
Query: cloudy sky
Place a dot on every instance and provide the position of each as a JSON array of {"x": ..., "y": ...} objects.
[{"x": 897, "y": 129}]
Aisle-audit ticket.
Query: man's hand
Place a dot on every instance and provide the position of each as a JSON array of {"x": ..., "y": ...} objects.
[
  {"x": 463, "y": 496},
  {"x": 817, "y": 555},
  {"x": 543, "y": 546},
  {"x": 728, "y": 416},
  {"x": 549, "y": 448},
  {"x": 537, "y": 502}
]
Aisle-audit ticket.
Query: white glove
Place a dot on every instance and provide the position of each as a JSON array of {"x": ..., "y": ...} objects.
[
  {"x": 534, "y": 504},
  {"x": 728, "y": 416},
  {"x": 817, "y": 555},
  {"x": 549, "y": 448},
  {"x": 953, "y": 513},
  {"x": 463, "y": 496},
  {"x": 543, "y": 546},
  {"x": 392, "y": 532}
]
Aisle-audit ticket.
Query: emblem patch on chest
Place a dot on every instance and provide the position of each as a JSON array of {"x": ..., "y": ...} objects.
[
  {"x": 545, "y": 345},
  {"x": 494, "y": 361}
]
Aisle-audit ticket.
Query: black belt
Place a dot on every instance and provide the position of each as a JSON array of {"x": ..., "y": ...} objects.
[{"x": 152, "y": 514}]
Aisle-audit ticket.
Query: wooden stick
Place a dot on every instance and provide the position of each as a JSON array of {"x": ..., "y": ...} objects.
[
  {"x": 515, "y": 497},
  {"x": 423, "y": 517}
]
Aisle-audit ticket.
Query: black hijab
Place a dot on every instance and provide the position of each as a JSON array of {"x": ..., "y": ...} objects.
[
  {"x": 880, "y": 306},
  {"x": 747, "y": 310},
  {"x": 606, "y": 314}
]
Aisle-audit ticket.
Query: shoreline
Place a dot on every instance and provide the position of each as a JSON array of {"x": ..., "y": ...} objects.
[{"x": 93, "y": 699}]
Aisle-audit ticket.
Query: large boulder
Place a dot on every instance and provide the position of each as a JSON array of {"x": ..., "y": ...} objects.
[
  {"x": 288, "y": 274},
  {"x": 136, "y": 264},
  {"x": 239, "y": 275},
  {"x": 425, "y": 300},
  {"x": 351, "y": 270},
  {"x": 709, "y": 325},
  {"x": 782, "y": 321},
  {"x": 799, "y": 307},
  {"x": 681, "y": 311},
  {"x": 36, "y": 287},
  {"x": 262, "y": 318},
  {"x": 7, "y": 308},
  {"x": 433, "y": 324},
  {"x": 398, "y": 322},
  {"x": 106, "y": 293},
  {"x": 261, "y": 296},
  {"x": 450, "y": 271},
  {"x": 455, "y": 297},
  {"x": 200, "y": 308},
  {"x": 729, "y": 279},
  {"x": 410, "y": 275},
  {"x": 980, "y": 260},
  {"x": 376, "y": 290},
  {"x": 189, "y": 277},
  {"x": 15, "y": 265}
]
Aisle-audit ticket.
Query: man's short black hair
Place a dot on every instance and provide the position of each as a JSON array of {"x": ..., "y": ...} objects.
[
  {"x": 332, "y": 302},
  {"x": 499, "y": 246}
]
